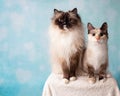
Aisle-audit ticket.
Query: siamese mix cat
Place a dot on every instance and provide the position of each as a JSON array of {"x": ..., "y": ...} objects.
[
  {"x": 95, "y": 60},
  {"x": 66, "y": 43}
]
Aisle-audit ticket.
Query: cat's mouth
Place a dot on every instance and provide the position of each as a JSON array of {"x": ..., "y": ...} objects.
[
  {"x": 65, "y": 26},
  {"x": 100, "y": 41}
]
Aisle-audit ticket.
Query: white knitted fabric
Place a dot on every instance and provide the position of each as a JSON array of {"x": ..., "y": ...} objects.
[{"x": 55, "y": 86}]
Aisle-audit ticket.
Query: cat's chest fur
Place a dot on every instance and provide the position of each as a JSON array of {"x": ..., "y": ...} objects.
[
  {"x": 64, "y": 44},
  {"x": 97, "y": 54}
]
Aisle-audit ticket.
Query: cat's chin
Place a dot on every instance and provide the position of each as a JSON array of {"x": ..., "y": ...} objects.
[{"x": 99, "y": 41}]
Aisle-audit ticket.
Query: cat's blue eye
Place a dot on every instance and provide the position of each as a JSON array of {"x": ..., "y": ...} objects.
[{"x": 93, "y": 34}]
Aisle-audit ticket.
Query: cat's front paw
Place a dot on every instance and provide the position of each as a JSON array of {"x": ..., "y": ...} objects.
[
  {"x": 102, "y": 77},
  {"x": 73, "y": 78},
  {"x": 66, "y": 81},
  {"x": 104, "y": 80},
  {"x": 92, "y": 80}
]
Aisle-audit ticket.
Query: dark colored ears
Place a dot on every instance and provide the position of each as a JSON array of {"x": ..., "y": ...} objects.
[
  {"x": 73, "y": 11},
  {"x": 56, "y": 11},
  {"x": 90, "y": 26},
  {"x": 104, "y": 26}
]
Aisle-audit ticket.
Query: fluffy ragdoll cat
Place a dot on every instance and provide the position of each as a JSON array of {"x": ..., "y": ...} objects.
[
  {"x": 66, "y": 43},
  {"x": 95, "y": 60}
]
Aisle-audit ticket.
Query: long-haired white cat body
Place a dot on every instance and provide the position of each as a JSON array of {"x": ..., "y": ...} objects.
[
  {"x": 64, "y": 44},
  {"x": 65, "y": 41}
]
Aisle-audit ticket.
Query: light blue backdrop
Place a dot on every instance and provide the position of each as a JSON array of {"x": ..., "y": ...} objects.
[{"x": 24, "y": 43}]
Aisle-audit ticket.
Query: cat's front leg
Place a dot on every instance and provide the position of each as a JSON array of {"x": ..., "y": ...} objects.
[
  {"x": 102, "y": 71},
  {"x": 74, "y": 61},
  {"x": 92, "y": 78},
  {"x": 66, "y": 73}
]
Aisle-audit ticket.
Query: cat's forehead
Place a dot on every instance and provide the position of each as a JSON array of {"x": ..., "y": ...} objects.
[
  {"x": 97, "y": 30},
  {"x": 58, "y": 14},
  {"x": 62, "y": 14}
]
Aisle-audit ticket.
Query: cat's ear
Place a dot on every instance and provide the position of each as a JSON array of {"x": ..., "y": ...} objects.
[
  {"x": 90, "y": 26},
  {"x": 56, "y": 11},
  {"x": 104, "y": 26},
  {"x": 74, "y": 11}
]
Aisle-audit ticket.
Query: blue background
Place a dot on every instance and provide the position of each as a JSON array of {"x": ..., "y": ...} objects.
[{"x": 24, "y": 42}]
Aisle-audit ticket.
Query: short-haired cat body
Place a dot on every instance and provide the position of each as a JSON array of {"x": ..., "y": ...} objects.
[
  {"x": 66, "y": 43},
  {"x": 95, "y": 60}
]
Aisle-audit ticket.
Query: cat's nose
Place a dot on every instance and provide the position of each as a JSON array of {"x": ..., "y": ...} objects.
[{"x": 97, "y": 37}]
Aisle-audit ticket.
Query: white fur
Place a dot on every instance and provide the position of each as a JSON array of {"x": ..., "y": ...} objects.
[
  {"x": 63, "y": 45},
  {"x": 92, "y": 80},
  {"x": 66, "y": 81},
  {"x": 73, "y": 78},
  {"x": 97, "y": 51}
]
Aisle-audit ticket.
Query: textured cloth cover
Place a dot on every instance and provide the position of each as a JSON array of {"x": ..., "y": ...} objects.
[{"x": 55, "y": 86}]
